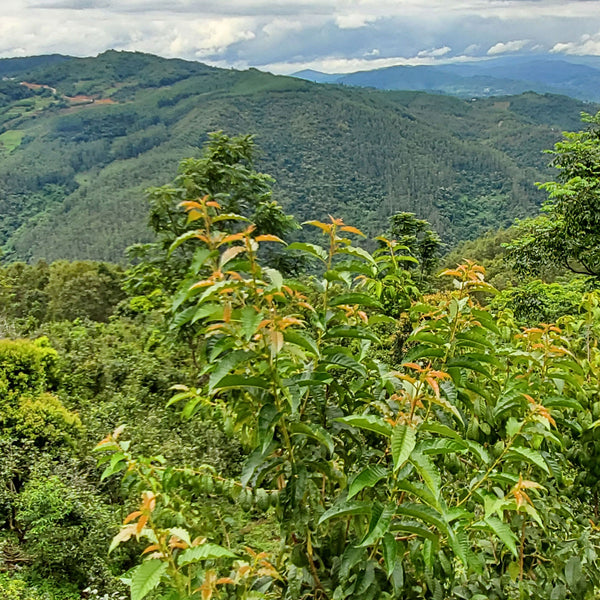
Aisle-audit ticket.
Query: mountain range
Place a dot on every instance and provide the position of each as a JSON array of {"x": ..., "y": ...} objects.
[
  {"x": 578, "y": 77},
  {"x": 82, "y": 138}
]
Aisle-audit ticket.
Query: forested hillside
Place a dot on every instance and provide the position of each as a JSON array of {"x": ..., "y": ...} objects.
[{"x": 86, "y": 137}]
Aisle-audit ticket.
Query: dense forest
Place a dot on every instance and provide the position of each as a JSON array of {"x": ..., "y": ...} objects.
[
  {"x": 242, "y": 413},
  {"x": 84, "y": 138}
]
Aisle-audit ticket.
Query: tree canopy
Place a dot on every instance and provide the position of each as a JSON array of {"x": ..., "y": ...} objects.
[{"x": 568, "y": 233}]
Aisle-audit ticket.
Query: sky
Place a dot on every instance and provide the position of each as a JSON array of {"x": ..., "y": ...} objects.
[{"x": 284, "y": 36}]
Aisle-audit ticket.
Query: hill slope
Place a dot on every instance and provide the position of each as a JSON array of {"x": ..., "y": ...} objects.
[{"x": 76, "y": 155}]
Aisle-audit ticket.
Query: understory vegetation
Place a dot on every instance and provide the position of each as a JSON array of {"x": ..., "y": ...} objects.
[{"x": 239, "y": 414}]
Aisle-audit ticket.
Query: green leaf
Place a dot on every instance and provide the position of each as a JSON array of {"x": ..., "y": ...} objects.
[
  {"x": 208, "y": 310},
  {"x": 573, "y": 572},
  {"x": 200, "y": 257},
  {"x": 531, "y": 456},
  {"x": 441, "y": 429},
  {"x": 204, "y": 552},
  {"x": 368, "y": 422},
  {"x": 357, "y": 252},
  {"x": 403, "y": 443},
  {"x": 117, "y": 463},
  {"x": 441, "y": 446},
  {"x": 390, "y": 549},
  {"x": 459, "y": 542},
  {"x": 486, "y": 320},
  {"x": 225, "y": 365},
  {"x": 146, "y": 577},
  {"x": 366, "y": 478},
  {"x": 469, "y": 363},
  {"x": 274, "y": 276},
  {"x": 562, "y": 402},
  {"x": 240, "y": 381},
  {"x": 381, "y": 517},
  {"x": 428, "y": 472},
  {"x": 420, "y": 491},
  {"x": 343, "y": 360},
  {"x": 181, "y": 318},
  {"x": 345, "y": 509},
  {"x": 504, "y": 533},
  {"x": 250, "y": 319},
  {"x": 314, "y": 431},
  {"x": 427, "y": 514},
  {"x": 422, "y": 351},
  {"x": 184, "y": 237},
  {"x": 355, "y": 298},
  {"x": 479, "y": 451},
  {"x": 311, "y": 249},
  {"x": 301, "y": 339},
  {"x": 348, "y": 331},
  {"x": 415, "y": 529}
]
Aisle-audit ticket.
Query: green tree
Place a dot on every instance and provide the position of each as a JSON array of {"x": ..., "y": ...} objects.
[
  {"x": 568, "y": 234},
  {"x": 422, "y": 242}
]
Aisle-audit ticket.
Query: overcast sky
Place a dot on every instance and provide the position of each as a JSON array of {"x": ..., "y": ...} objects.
[{"x": 288, "y": 35}]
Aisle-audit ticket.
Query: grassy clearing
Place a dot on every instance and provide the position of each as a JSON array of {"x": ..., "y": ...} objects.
[{"x": 11, "y": 139}]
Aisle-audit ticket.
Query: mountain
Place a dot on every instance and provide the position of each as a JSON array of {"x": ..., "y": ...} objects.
[
  {"x": 577, "y": 77},
  {"x": 81, "y": 139},
  {"x": 11, "y": 67}
]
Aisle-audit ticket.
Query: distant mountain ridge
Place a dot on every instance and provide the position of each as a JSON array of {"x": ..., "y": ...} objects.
[
  {"x": 73, "y": 175},
  {"x": 576, "y": 77}
]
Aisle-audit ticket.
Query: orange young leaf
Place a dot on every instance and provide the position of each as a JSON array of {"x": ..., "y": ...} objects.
[
  {"x": 131, "y": 516},
  {"x": 268, "y": 238},
  {"x": 324, "y": 226},
  {"x": 141, "y": 524},
  {"x": 351, "y": 229},
  {"x": 190, "y": 205}
]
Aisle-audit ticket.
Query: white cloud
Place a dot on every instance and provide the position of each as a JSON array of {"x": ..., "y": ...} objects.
[
  {"x": 435, "y": 52},
  {"x": 351, "y": 34},
  {"x": 587, "y": 44},
  {"x": 503, "y": 47},
  {"x": 353, "y": 21},
  {"x": 279, "y": 27}
]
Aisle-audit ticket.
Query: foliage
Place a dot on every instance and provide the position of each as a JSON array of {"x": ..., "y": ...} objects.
[
  {"x": 423, "y": 243},
  {"x": 430, "y": 479},
  {"x": 17, "y": 588},
  {"x": 34, "y": 294},
  {"x": 27, "y": 410},
  {"x": 567, "y": 235},
  {"x": 538, "y": 302},
  {"x": 66, "y": 525}
]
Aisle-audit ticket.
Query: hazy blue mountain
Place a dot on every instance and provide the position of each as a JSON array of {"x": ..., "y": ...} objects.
[{"x": 577, "y": 77}]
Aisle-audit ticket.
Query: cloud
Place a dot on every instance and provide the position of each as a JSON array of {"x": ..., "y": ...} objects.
[
  {"x": 587, "y": 44},
  {"x": 435, "y": 52},
  {"x": 353, "y": 21},
  {"x": 503, "y": 47},
  {"x": 284, "y": 33}
]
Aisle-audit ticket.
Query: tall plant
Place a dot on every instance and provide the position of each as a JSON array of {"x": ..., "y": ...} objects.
[{"x": 416, "y": 481}]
